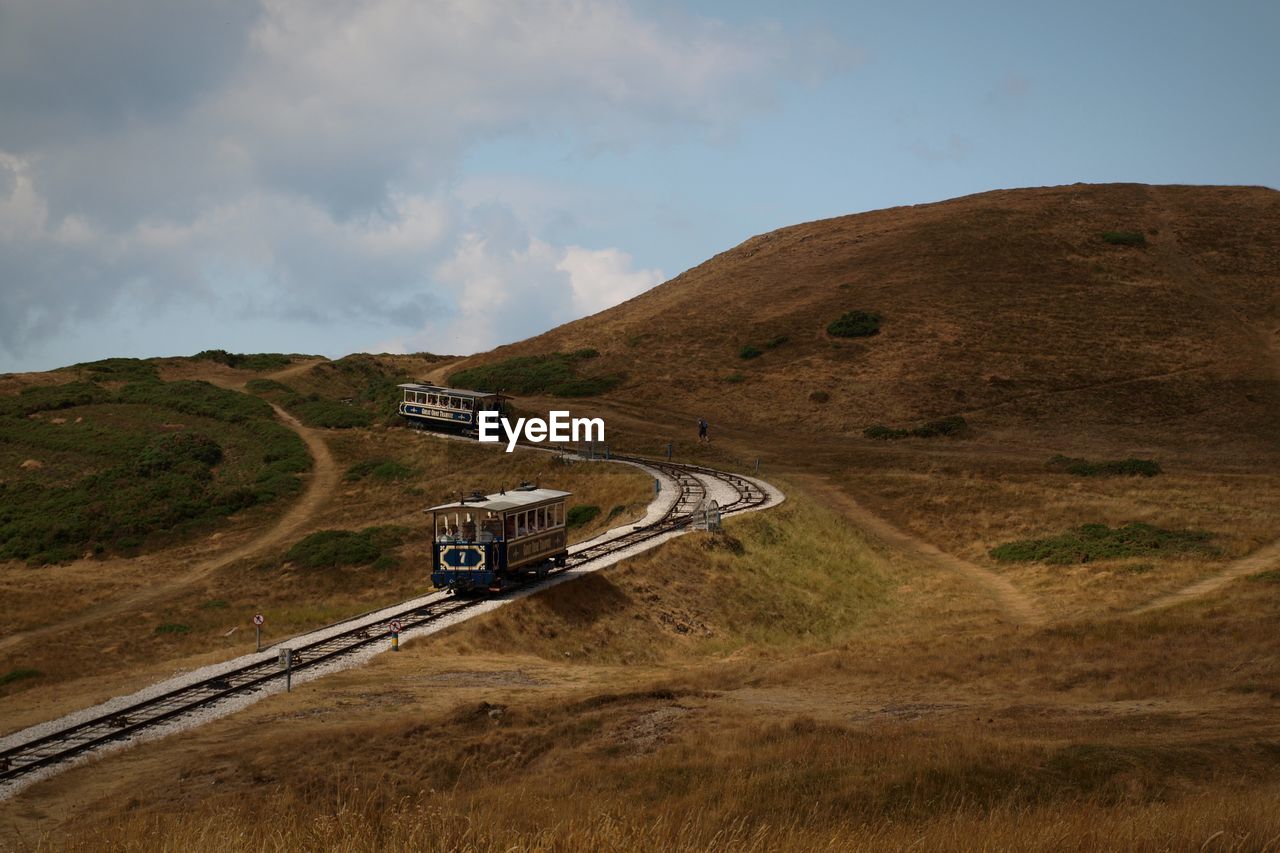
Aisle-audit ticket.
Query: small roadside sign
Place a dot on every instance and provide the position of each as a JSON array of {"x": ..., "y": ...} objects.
[
  {"x": 258, "y": 619},
  {"x": 395, "y": 626}
]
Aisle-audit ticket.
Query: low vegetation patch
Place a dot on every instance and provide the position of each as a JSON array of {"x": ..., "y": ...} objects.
[
  {"x": 1124, "y": 238},
  {"x": 581, "y": 514},
  {"x": 259, "y": 361},
  {"x": 330, "y": 549},
  {"x": 313, "y": 409},
  {"x": 173, "y": 628},
  {"x": 556, "y": 375},
  {"x": 819, "y": 397},
  {"x": 855, "y": 324},
  {"x": 121, "y": 471},
  {"x": 750, "y": 352},
  {"x": 20, "y": 673},
  {"x": 120, "y": 370},
  {"x": 1091, "y": 542},
  {"x": 1113, "y": 468},
  {"x": 387, "y": 470},
  {"x": 735, "y": 378},
  {"x": 952, "y": 426}
]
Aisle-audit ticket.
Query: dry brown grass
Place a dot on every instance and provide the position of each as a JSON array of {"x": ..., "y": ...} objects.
[{"x": 121, "y": 652}]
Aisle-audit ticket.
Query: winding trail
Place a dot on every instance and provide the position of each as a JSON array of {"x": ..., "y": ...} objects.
[
  {"x": 321, "y": 483},
  {"x": 1017, "y": 606}
]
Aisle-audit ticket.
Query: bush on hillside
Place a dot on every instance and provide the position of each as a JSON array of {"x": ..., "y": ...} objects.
[
  {"x": 330, "y": 549},
  {"x": 1130, "y": 467},
  {"x": 258, "y": 361},
  {"x": 1124, "y": 238},
  {"x": 555, "y": 374},
  {"x": 855, "y": 324},
  {"x": 120, "y": 370},
  {"x": 749, "y": 352},
  {"x": 580, "y": 515},
  {"x": 1098, "y": 541},
  {"x": 379, "y": 469}
]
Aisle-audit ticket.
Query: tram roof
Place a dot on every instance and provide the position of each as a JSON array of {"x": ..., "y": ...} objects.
[
  {"x": 503, "y": 501},
  {"x": 438, "y": 389}
]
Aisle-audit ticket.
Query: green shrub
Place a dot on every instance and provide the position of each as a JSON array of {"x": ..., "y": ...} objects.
[
  {"x": 215, "y": 604},
  {"x": 245, "y": 361},
  {"x": 880, "y": 432},
  {"x": 748, "y": 352},
  {"x": 379, "y": 469},
  {"x": 1113, "y": 468},
  {"x": 173, "y": 628},
  {"x": 855, "y": 324},
  {"x": 46, "y": 398},
  {"x": 954, "y": 425},
  {"x": 585, "y": 353},
  {"x": 121, "y": 370},
  {"x": 328, "y": 549},
  {"x": 1124, "y": 238},
  {"x": 819, "y": 397},
  {"x": 21, "y": 673},
  {"x": 774, "y": 343},
  {"x": 167, "y": 452},
  {"x": 197, "y": 398},
  {"x": 1269, "y": 576},
  {"x": 1098, "y": 541},
  {"x": 554, "y": 374},
  {"x": 268, "y": 386},
  {"x": 138, "y": 484},
  {"x": 735, "y": 378},
  {"x": 580, "y": 515},
  {"x": 330, "y": 414}
]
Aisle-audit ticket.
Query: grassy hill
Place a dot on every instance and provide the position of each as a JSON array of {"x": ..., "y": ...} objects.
[{"x": 1043, "y": 312}]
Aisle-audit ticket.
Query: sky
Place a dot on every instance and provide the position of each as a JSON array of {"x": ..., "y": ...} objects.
[{"x": 330, "y": 177}]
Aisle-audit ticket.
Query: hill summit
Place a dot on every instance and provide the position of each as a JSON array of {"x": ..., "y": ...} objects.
[{"x": 1049, "y": 310}]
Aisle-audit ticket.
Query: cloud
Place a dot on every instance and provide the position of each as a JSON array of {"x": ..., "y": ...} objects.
[
  {"x": 603, "y": 277},
  {"x": 300, "y": 159}
]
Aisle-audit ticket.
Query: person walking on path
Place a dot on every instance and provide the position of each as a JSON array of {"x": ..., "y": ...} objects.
[{"x": 703, "y": 426}]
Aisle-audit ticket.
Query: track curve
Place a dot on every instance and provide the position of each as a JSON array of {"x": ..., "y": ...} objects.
[{"x": 49, "y": 748}]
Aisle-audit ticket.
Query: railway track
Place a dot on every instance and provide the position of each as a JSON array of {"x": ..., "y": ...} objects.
[{"x": 82, "y": 737}]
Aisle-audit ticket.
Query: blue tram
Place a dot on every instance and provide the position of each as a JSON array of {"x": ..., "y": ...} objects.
[
  {"x": 485, "y": 542},
  {"x": 449, "y": 408}
]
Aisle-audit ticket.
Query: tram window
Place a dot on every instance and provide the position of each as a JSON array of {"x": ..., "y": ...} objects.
[
  {"x": 466, "y": 404},
  {"x": 542, "y": 518},
  {"x": 511, "y": 527}
]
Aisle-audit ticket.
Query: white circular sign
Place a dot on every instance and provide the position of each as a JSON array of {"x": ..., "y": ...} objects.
[
  {"x": 258, "y": 619},
  {"x": 395, "y": 626}
]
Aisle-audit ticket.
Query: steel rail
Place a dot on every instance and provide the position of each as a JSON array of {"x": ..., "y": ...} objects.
[{"x": 82, "y": 737}]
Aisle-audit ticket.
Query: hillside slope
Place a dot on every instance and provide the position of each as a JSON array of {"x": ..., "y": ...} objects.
[{"x": 1009, "y": 308}]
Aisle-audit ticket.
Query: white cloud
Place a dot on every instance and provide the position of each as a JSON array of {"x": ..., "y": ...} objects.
[
  {"x": 308, "y": 168},
  {"x": 601, "y": 278}
]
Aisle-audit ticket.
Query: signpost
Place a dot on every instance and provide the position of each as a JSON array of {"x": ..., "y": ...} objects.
[
  {"x": 258, "y": 619},
  {"x": 395, "y": 635},
  {"x": 286, "y": 660}
]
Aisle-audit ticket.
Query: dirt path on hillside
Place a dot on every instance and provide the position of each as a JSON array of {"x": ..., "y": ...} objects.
[
  {"x": 322, "y": 482},
  {"x": 1016, "y": 604}
]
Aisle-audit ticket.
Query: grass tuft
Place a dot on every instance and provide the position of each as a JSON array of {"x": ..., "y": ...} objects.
[{"x": 555, "y": 374}]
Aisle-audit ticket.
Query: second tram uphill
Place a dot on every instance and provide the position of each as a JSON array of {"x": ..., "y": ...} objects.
[
  {"x": 435, "y": 407},
  {"x": 487, "y": 542}
]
